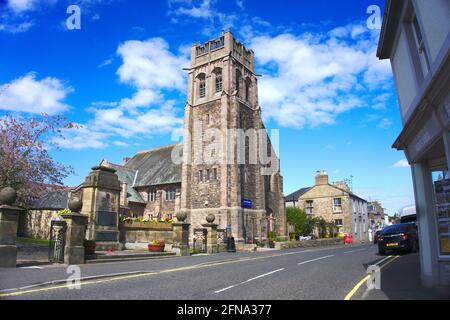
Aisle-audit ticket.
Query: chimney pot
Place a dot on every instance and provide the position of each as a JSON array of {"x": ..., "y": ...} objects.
[{"x": 321, "y": 178}]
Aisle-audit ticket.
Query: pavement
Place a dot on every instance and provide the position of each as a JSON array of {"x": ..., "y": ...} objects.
[{"x": 331, "y": 273}]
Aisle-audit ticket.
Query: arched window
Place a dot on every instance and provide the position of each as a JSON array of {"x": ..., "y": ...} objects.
[
  {"x": 248, "y": 84},
  {"x": 218, "y": 79},
  {"x": 201, "y": 78},
  {"x": 238, "y": 81}
]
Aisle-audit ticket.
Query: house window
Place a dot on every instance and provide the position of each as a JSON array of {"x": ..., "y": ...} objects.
[
  {"x": 420, "y": 47},
  {"x": 202, "y": 88},
  {"x": 200, "y": 176},
  {"x": 170, "y": 195},
  {"x": 309, "y": 207},
  {"x": 152, "y": 196},
  {"x": 219, "y": 83},
  {"x": 337, "y": 205},
  {"x": 338, "y": 222}
]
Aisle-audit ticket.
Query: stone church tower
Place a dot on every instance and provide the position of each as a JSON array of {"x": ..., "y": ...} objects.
[{"x": 222, "y": 171}]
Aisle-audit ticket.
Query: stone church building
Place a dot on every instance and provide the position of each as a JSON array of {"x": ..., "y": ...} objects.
[{"x": 226, "y": 164}]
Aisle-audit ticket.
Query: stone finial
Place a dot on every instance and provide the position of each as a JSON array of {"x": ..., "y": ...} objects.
[
  {"x": 181, "y": 216},
  {"x": 8, "y": 196},
  {"x": 210, "y": 218},
  {"x": 75, "y": 205}
]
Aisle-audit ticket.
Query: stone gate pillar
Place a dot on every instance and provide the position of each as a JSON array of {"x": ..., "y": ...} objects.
[
  {"x": 75, "y": 234},
  {"x": 101, "y": 203},
  {"x": 9, "y": 219},
  {"x": 211, "y": 240},
  {"x": 181, "y": 235}
]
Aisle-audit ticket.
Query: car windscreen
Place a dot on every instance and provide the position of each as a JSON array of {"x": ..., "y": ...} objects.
[{"x": 394, "y": 229}]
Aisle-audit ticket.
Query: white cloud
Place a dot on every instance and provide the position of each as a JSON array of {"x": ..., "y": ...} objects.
[
  {"x": 150, "y": 65},
  {"x": 105, "y": 63},
  {"x": 16, "y": 28},
  {"x": 202, "y": 10},
  {"x": 385, "y": 123},
  {"x": 310, "y": 79},
  {"x": 27, "y": 94},
  {"x": 18, "y": 6},
  {"x": 82, "y": 137},
  {"x": 401, "y": 164}
]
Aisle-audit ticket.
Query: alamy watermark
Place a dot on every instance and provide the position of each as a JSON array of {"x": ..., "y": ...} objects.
[
  {"x": 74, "y": 280},
  {"x": 73, "y": 22},
  {"x": 374, "y": 280},
  {"x": 374, "y": 20},
  {"x": 214, "y": 146}
]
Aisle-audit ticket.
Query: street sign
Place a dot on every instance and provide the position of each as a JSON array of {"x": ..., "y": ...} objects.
[{"x": 247, "y": 204}]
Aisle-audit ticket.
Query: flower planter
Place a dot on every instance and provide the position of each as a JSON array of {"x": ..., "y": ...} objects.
[{"x": 156, "y": 248}]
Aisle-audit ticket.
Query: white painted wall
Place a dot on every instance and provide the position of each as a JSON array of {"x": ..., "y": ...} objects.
[
  {"x": 435, "y": 18},
  {"x": 404, "y": 74}
]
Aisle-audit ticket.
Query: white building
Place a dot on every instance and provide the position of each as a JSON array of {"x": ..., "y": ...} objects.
[{"x": 415, "y": 36}]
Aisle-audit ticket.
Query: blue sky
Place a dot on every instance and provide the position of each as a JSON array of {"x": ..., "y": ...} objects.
[{"x": 120, "y": 76}]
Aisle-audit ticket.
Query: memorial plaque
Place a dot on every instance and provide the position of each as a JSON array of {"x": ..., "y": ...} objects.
[
  {"x": 106, "y": 236},
  {"x": 107, "y": 219}
]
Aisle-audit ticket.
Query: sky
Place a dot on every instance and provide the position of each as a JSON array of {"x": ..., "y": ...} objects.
[{"x": 120, "y": 77}]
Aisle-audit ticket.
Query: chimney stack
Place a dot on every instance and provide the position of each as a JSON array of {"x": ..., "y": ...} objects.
[
  {"x": 125, "y": 160},
  {"x": 321, "y": 178},
  {"x": 124, "y": 194}
]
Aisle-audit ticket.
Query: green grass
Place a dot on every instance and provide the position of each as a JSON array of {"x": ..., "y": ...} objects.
[{"x": 34, "y": 241}]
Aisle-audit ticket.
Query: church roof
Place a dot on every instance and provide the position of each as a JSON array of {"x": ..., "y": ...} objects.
[
  {"x": 128, "y": 175},
  {"x": 155, "y": 167},
  {"x": 52, "y": 200}
]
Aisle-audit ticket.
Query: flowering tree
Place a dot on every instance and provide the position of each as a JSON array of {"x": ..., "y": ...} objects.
[{"x": 25, "y": 163}]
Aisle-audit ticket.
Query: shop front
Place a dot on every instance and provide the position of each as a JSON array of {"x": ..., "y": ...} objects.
[{"x": 426, "y": 142}]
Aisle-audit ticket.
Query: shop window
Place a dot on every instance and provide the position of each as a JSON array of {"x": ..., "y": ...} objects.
[{"x": 441, "y": 184}]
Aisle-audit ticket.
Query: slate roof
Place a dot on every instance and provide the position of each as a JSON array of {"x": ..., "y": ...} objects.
[
  {"x": 128, "y": 175},
  {"x": 52, "y": 200},
  {"x": 155, "y": 167},
  {"x": 295, "y": 195}
]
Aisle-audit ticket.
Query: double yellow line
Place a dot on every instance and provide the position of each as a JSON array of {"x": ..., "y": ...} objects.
[{"x": 367, "y": 277}]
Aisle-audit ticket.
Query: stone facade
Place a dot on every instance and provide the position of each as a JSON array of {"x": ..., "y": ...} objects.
[
  {"x": 336, "y": 203},
  {"x": 216, "y": 113}
]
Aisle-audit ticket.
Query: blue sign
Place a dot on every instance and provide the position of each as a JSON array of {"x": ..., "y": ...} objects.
[{"x": 247, "y": 204}]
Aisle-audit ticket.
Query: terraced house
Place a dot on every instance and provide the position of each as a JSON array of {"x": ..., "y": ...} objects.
[{"x": 335, "y": 203}]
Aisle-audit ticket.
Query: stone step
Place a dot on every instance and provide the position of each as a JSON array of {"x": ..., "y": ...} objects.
[{"x": 117, "y": 257}]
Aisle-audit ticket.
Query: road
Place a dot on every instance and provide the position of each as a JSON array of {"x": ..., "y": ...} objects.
[{"x": 319, "y": 273}]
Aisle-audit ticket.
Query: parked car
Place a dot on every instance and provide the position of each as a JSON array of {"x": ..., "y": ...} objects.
[
  {"x": 398, "y": 237},
  {"x": 376, "y": 236}
]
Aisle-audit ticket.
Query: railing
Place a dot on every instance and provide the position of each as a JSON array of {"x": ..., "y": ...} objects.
[{"x": 211, "y": 46}]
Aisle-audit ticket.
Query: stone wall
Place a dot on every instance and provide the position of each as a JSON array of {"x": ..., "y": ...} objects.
[
  {"x": 36, "y": 223},
  {"x": 136, "y": 238},
  {"x": 310, "y": 243},
  {"x": 165, "y": 209}
]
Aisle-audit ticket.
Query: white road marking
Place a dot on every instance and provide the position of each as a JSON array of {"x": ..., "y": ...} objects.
[
  {"x": 249, "y": 280},
  {"x": 355, "y": 250},
  {"x": 312, "y": 260},
  {"x": 383, "y": 260},
  {"x": 32, "y": 267}
]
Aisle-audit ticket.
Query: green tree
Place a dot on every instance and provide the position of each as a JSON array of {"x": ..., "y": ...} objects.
[{"x": 304, "y": 225}]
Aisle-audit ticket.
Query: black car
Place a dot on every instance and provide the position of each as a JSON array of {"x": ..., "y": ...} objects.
[{"x": 398, "y": 237}]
